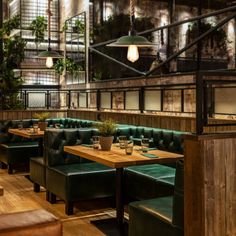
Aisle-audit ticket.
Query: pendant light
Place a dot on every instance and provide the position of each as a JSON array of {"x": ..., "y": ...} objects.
[
  {"x": 49, "y": 54},
  {"x": 132, "y": 40}
]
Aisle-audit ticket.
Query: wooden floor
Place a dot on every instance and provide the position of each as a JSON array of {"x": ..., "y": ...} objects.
[{"x": 19, "y": 196}]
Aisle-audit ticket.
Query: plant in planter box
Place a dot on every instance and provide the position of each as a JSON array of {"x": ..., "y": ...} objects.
[
  {"x": 42, "y": 116},
  {"x": 106, "y": 129}
]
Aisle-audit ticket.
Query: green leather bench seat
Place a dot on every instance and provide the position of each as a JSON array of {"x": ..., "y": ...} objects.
[
  {"x": 149, "y": 181},
  {"x": 81, "y": 181},
  {"x": 162, "y": 215},
  {"x": 14, "y": 154},
  {"x": 155, "y": 214}
]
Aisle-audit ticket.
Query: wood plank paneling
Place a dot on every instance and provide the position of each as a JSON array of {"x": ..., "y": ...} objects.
[
  {"x": 210, "y": 185},
  {"x": 28, "y": 114}
]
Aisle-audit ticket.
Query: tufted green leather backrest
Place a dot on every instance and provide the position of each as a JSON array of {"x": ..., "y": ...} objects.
[{"x": 53, "y": 147}]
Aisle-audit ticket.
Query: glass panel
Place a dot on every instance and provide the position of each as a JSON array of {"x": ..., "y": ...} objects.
[
  {"x": 152, "y": 100},
  {"x": 132, "y": 100},
  {"x": 225, "y": 100},
  {"x": 83, "y": 100},
  {"x": 36, "y": 100},
  {"x": 106, "y": 100}
]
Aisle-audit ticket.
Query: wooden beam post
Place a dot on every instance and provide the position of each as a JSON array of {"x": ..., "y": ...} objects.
[{"x": 210, "y": 185}]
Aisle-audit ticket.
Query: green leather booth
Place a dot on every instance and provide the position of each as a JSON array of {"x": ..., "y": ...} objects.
[
  {"x": 15, "y": 151},
  {"x": 162, "y": 215},
  {"x": 141, "y": 182},
  {"x": 72, "y": 178}
]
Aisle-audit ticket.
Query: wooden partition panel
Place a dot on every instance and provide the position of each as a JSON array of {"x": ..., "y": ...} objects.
[
  {"x": 165, "y": 121},
  {"x": 210, "y": 185},
  {"x": 28, "y": 114}
]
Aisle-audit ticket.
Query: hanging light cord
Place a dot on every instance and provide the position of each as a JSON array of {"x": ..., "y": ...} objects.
[
  {"x": 49, "y": 13},
  {"x": 132, "y": 18}
]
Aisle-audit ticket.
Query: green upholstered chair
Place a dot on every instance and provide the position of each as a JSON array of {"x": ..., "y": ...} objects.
[{"x": 162, "y": 216}]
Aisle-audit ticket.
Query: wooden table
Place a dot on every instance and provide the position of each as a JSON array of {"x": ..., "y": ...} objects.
[
  {"x": 116, "y": 158},
  {"x": 27, "y": 133}
]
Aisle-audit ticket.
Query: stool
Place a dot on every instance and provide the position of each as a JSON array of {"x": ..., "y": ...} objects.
[{"x": 36, "y": 222}]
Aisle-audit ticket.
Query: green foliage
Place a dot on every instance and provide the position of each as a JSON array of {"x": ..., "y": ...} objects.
[
  {"x": 38, "y": 27},
  {"x": 119, "y": 25},
  {"x": 79, "y": 26},
  {"x": 42, "y": 116},
  {"x": 69, "y": 65},
  {"x": 106, "y": 128},
  {"x": 65, "y": 27},
  {"x": 13, "y": 51},
  {"x": 219, "y": 37},
  {"x": 13, "y": 55},
  {"x": 10, "y": 24}
]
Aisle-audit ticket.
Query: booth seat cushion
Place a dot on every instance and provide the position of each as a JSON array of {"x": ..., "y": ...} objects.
[
  {"x": 155, "y": 214},
  {"x": 13, "y": 153},
  {"x": 149, "y": 181},
  {"x": 80, "y": 181}
]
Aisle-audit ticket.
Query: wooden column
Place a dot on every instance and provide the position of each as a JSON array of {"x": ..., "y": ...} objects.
[{"x": 210, "y": 185}]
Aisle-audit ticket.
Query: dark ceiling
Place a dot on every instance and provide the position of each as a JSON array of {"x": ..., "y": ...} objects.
[{"x": 211, "y": 4}]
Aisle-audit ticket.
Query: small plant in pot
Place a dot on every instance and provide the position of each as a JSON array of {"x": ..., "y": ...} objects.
[
  {"x": 42, "y": 116},
  {"x": 106, "y": 129}
]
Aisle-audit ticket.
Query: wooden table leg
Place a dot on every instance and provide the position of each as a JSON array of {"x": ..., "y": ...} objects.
[
  {"x": 120, "y": 197},
  {"x": 1, "y": 191}
]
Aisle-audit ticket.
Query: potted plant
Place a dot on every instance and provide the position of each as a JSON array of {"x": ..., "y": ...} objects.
[
  {"x": 42, "y": 116},
  {"x": 106, "y": 130}
]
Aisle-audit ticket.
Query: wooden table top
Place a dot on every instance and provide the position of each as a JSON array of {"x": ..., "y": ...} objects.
[
  {"x": 27, "y": 133},
  {"x": 116, "y": 158}
]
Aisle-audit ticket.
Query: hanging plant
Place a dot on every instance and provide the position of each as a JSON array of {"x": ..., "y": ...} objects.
[{"x": 38, "y": 27}]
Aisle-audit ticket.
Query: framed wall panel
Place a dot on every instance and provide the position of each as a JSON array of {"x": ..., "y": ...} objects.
[
  {"x": 132, "y": 100},
  {"x": 152, "y": 100}
]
